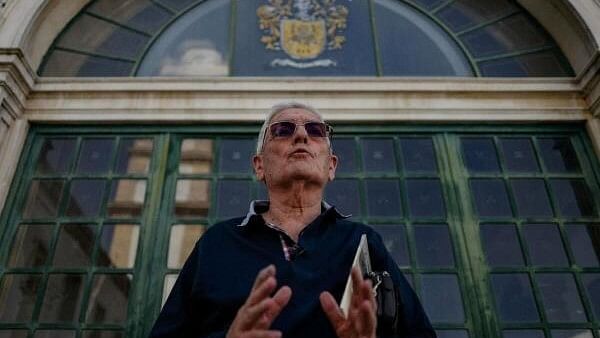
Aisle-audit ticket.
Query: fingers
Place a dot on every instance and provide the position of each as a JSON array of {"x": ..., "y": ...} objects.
[
  {"x": 262, "y": 334},
  {"x": 263, "y": 275},
  {"x": 332, "y": 310},
  {"x": 280, "y": 300}
]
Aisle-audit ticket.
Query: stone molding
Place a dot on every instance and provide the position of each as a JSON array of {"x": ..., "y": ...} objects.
[
  {"x": 16, "y": 81},
  {"x": 589, "y": 82}
]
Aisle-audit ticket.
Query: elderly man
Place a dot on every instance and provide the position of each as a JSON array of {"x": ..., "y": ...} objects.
[{"x": 230, "y": 284}]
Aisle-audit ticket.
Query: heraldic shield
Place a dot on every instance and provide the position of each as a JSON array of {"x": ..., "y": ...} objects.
[{"x": 303, "y": 39}]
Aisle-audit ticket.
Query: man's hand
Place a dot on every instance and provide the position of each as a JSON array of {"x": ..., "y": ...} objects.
[
  {"x": 255, "y": 317},
  {"x": 362, "y": 318}
]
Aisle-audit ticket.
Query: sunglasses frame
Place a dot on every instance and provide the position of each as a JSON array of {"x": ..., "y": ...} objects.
[{"x": 328, "y": 128}]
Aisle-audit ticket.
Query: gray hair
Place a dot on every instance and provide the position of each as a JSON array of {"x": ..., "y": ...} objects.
[{"x": 278, "y": 108}]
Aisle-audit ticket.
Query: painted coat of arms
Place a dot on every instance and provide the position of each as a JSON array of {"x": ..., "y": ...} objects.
[{"x": 303, "y": 29}]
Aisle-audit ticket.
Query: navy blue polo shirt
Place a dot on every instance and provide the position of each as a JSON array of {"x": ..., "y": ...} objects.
[{"x": 219, "y": 273}]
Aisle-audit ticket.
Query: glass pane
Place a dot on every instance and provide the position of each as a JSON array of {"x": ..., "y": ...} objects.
[
  {"x": 85, "y": 198},
  {"x": 585, "y": 243},
  {"x": 591, "y": 282},
  {"x": 54, "y": 334},
  {"x": 501, "y": 245},
  {"x": 235, "y": 155},
  {"x": 95, "y": 156},
  {"x": 74, "y": 247},
  {"x": 571, "y": 334},
  {"x": 547, "y": 63},
  {"x": 573, "y": 197},
  {"x": 519, "y": 155},
  {"x": 109, "y": 298},
  {"x": 118, "y": 245},
  {"x": 560, "y": 297},
  {"x": 126, "y": 198},
  {"x": 345, "y": 150},
  {"x": 168, "y": 286},
  {"x": 192, "y": 198},
  {"x": 428, "y": 4},
  {"x": 181, "y": 243},
  {"x": 378, "y": 155},
  {"x": 139, "y": 14},
  {"x": 544, "y": 245},
  {"x": 383, "y": 198},
  {"x": 423, "y": 46},
  {"x": 98, "y": 36},
  {"x": 62, "y": 299},
  {"x": 394, "y": 238},
  {"x": 233, "y": 198},
  {"x": 43, "y": 199},
  {"x": 103, "y": 334},
  {"x": 463, "y": 14},
  {"x": 442, "y": 298},
  {"x": 425, "y": 198},
  {"x": 418, "y": 155},
  {"x": 191, "y": 46},
  {"x": 558, "y": 155},
  {"x": 452, "y": 334},
  {"x": 531, "y": 198},
  {"x": 8, "y": 333},
  {"x": 523, "y": 334},
  {"x": 480, "y": 155},
  {"x": 17, "y": 297},
  {"x": 63, "y": 63},
  {"x": 178, "y": 5},
  {"x": 433, "y": 245},
  {"x": 344, "y": 195},
  {"x": 514, "y": 298},
  {"x": 490, "y": 197},
  {"x": 196, "y": 156},
  {"x": 134, "y": 156},
  {"x": 56, "y": 156},
  {"x": 31, "y": 245}
]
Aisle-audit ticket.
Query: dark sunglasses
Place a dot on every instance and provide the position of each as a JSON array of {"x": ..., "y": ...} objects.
[{"x": 288, "y": 128}]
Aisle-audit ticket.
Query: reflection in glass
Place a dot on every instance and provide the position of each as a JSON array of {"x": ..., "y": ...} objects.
[
  {"x": 452, "y": 334},
  {"x": 139, "y": 14},
  {"x": 571, "y": 334},
  {"x": 43, "y": 199},
  {"x": 394, "y": 238},
  {"x": 514, "y": 298},
  {"x": 378, "y": 154},
  {"x": 425, "y": 198},
  {"x": 56, "y": 156},
  {"x": 463, "y": 14},
  {"x": 558, "y": 155},
  {"x": 9, "y": 333},
  {"x": 560, "y": 297},
  {"x": 531, "y": 198},
  {"x": 480, "y": 155},
  {"x": 434, "y": 247},
  {"x": 585, "y": 243},
  {"x": 118, "y": 245},
  {"x": 235, "y": 155},
  {"x": 31, "y": 245},
  {"x": 383, "y": 198},
  {"x": 181, "y": 243},
  {"x": 573, "y": 197},
  {"x": 17, "y": 297},
  {"x": 63, "y": 63},
  {"x": 233, "y": 198},
  {"x": 344, "y": 195},
  {"x": 522, "y": 334},
  {"x": 196, "y": 156},
  {"x": 54, "y": 334},
  {"x": 168, "y": 286},
  {"x": 192, "y": 198},
  {"x": 62, "y": 299},
  {"x": 103, "y": 334},
  {"x": 442, "y": 298},
  {"x": 126, "y": 198},
  {"x": 591, "y": 283},
  {"x": 501, "y": 245},
  {"x": 490, "y": 198},
  {"x": 519, "y": 155},
  {"x": 544, "y": 245},
  {"x": 109, "y": 297},
  {"x": 95, "y": 155},
  {"x": 74, "y": 247},
  {"x": 85, "y": 198},
  {"x": 545, "y": 63},
  {"x": 418, "y": 155},
  {"x": 344, "y": 149},
  {"x": 133, "y": 156}
]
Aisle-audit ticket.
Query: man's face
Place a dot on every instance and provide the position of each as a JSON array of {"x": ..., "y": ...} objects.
[{"x": 297, "y": 157}]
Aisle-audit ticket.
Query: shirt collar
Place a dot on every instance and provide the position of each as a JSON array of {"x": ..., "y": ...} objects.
[{"x": 258, "y": 207}]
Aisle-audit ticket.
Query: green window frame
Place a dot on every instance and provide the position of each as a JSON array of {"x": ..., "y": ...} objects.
[{"x": 440, "y": 177}]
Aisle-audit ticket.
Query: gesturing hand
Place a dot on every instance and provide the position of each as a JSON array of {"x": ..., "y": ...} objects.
[
  {"x": 362, "y": 319},
  {"x": 254, "y": 318}
]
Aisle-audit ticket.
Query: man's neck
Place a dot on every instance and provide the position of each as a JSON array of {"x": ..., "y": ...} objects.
[{"x": 293, "y": 209}]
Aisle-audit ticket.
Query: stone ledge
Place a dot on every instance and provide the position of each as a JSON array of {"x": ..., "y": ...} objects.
[
  {"x": 590, "y": 84},
  {"x": 16, "y": 79}
]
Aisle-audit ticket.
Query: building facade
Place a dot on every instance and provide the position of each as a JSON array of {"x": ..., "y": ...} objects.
[{"x": 468, "y": 133}]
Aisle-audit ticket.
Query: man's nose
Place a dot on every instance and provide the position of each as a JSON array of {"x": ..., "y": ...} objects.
[{"x": 300, "y": 134}]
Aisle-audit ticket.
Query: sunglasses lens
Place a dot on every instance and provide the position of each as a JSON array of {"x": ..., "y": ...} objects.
[
  {"x": 283, "y": 129},
  {"x": 316, "y": 129}
]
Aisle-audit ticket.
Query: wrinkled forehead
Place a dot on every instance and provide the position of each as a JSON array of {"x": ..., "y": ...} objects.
[{"x": 295, "y": 115}]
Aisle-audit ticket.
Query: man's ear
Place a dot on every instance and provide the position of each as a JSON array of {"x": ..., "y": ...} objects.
[
  {"x": 259, "y": 171},
  {"x": 333, "y": 161}
]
